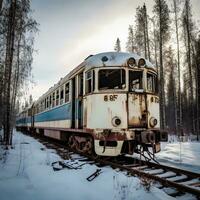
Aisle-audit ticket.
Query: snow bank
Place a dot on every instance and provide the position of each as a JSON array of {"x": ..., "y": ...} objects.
[
  {"x": 185, "y": 155},
  {"x": 26, "y": 174}
]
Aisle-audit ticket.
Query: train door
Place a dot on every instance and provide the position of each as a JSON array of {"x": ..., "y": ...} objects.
[
  {"x": 80, "y": 100},
  {"x": 73, "y": 93},
  {"x": 136, "y": 100}
]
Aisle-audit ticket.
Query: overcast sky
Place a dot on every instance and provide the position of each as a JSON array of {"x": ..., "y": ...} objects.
[{"x": 70, "y": 30}]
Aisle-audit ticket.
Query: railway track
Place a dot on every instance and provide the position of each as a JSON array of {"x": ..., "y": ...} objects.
[{"x": 175, "y": 182}]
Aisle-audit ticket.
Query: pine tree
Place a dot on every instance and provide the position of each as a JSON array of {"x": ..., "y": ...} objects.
[
  {"x": 117, "y": 45},
  {"x": 176, "y": 10},
  {"x": 141, "y": 32},
  {"x": 197, "y": 61},
  {"x": 170, "y": 67},
  {"x": 162, "y": 13},
  {"x": 130, "y": 47},
  {"x": 187, "y": 31}
]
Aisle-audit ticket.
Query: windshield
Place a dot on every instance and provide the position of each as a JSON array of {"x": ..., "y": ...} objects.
[
  {"x": 112, "y": 79},
  {"x": 135, "y": 80},
  {"x": 151, "y": 83}
]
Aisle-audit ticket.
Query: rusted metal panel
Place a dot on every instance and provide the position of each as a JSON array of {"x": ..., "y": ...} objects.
[
  {"x": 136, "y": 110},
  {"x": 153, "y": 109}
]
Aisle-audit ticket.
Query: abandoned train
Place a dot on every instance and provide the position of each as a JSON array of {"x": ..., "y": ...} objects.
[{"x": 108, "y": 104}]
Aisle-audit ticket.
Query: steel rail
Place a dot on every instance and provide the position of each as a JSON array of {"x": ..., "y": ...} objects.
[{"x": 135, "y": 172}]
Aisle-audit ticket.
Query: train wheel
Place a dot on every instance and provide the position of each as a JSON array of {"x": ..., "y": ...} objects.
[{"x": 81, "y": 144}]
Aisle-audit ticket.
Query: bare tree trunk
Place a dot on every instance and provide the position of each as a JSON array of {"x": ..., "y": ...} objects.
[
  {"x": 145, "y": 43},
  {"x": 197, "y": 79},
  {"x": 179, "y": 106},
  {"x": 198, "y": 100},
  {"x": 8, "y": 69},
  {"x": 1, "y": 4},
  {"x": 190, "y": 65},
  {"x": 162, "y": 93},
  {"x": 147, "y": 33}
]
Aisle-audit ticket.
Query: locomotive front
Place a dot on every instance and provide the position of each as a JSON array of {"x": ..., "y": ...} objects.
[{"x": 121, "y": 104}]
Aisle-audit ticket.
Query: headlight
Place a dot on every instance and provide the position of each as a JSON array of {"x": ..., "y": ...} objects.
[
  {"x": 141, "y": 62},
  {"x": 153, "y": 121},
  {"x": 116, "y": 121},
  {"x": 131, "y": 62}
]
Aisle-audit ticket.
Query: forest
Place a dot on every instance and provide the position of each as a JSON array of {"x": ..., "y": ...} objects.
[
  {"x": 17, "y": 30},
  {"x": 170, "y": 38}
]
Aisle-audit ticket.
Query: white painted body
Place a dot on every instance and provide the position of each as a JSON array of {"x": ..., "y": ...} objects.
[
  {"x": 54, "y": 124},
  {"x": 98, "y": 114}
]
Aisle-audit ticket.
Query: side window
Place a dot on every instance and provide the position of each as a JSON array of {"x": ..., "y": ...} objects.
[
  {"x": 45, "y": 103},
  {"x": 53, "y": 99},
  {"x": 61, "y": 95},
  {"x": 29, "y": 112},
  {"x": 41, "y": 106},
  {"x": 66, "y": 92},
  {"x": 89, "y": 81},
  {"x": 50, "y": 101},
  {"x": 57, "y": 97},
  {"x": 80, "y": 80}
]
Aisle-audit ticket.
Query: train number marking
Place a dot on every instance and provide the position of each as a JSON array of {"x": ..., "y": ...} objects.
[{"x": 110, "y": 97}]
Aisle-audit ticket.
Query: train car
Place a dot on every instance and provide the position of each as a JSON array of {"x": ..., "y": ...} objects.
[
  {"x": 108, "y": 104},
  {"x": 24, "y": 119}
]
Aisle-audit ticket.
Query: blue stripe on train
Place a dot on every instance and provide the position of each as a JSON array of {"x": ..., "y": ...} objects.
[
  {"x": 59, "y": 113},
  {"x": 23, "y": 120}
]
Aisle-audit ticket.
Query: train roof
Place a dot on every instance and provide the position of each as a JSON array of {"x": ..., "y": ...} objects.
[{"x": 112, "y": 59}]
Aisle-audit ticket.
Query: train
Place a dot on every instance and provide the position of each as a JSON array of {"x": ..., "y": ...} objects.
[{"x": 107, "y": 105}]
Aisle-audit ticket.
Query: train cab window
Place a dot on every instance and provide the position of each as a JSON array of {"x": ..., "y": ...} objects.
[
  {"x": 61, "y": 95},
  {"x": 66, "y": 92},
  {"x": 90, "y": 82},
  {"x": 151, "y": 83},
  {"x": 112, "y": 79},
  {"x": 135, "y": 80},
  {"x": 57, "y": 97}
]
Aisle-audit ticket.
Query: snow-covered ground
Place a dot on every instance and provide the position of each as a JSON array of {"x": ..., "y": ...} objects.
[
  {"x": 26, "y": 174},
  {"x": 185, "y": 155}
]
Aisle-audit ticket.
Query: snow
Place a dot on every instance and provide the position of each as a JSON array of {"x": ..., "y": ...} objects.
[
  {"x": 26, "y": 173},
  {"x": 185, "y": 155}
]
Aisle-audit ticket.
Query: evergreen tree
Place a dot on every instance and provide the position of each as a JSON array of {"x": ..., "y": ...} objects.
[
  {"x": 170, "y": 68},
  {"x": 176, "y": 10},
  {"x": 130, "y": 47},
  {"x": 117, "y": 45},
  {"x": 187, "y": 32},
  {"x": 141, "y": 32}
]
